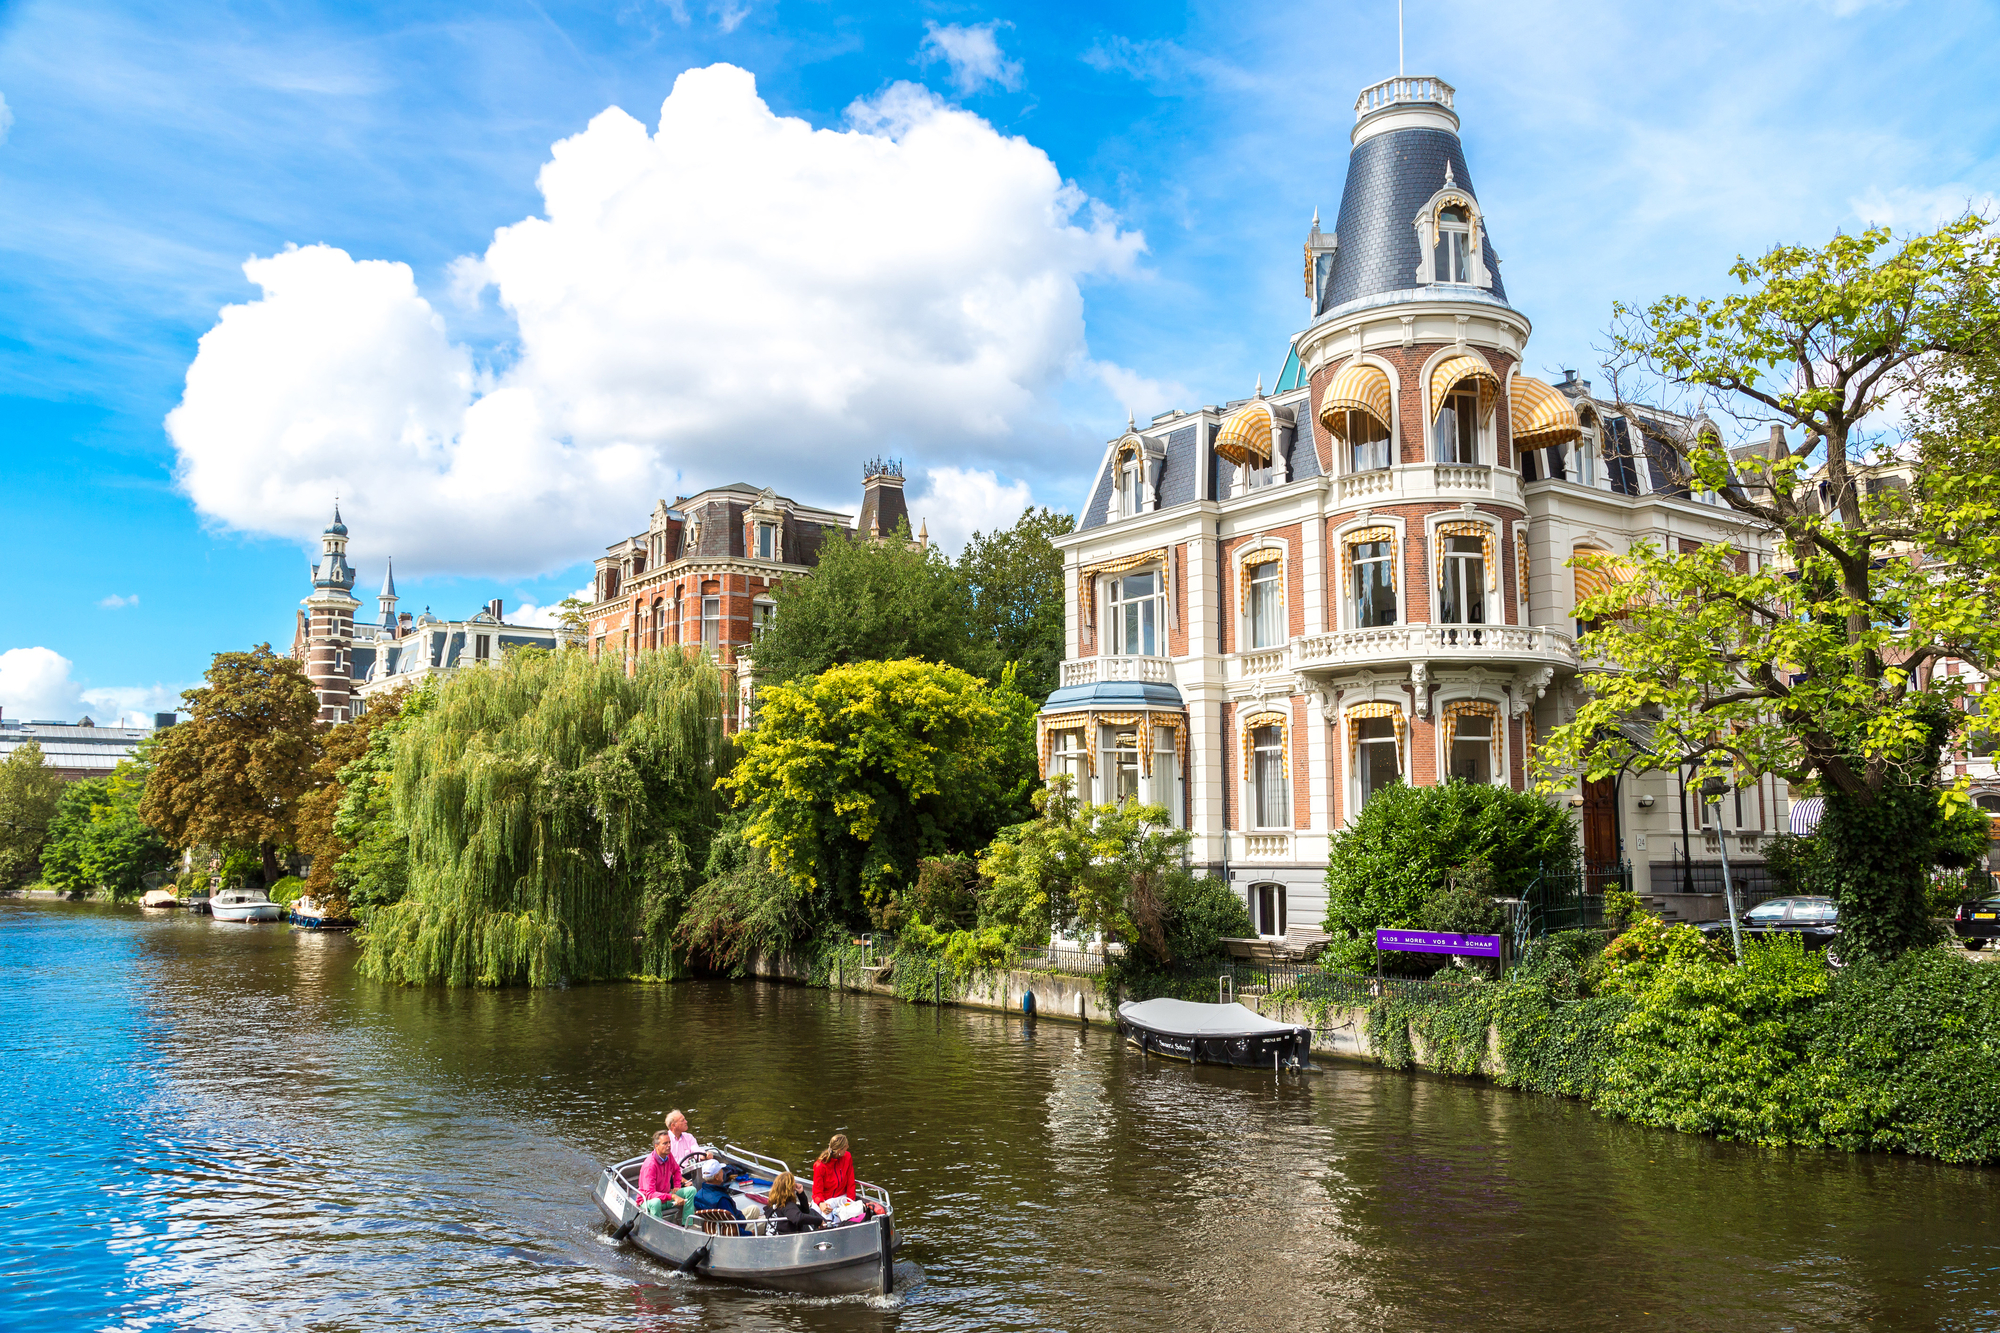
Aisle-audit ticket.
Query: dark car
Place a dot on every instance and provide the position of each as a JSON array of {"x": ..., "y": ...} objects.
[
  {"x": 1815, "y": 920},
  {"x": 1977, "y": 922}
]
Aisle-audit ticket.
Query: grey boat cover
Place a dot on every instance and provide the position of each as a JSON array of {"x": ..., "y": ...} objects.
[{"x": 1185, "y": 1018}]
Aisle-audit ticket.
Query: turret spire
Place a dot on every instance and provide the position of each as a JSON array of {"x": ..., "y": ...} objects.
[{"x": 386, "y": 599}]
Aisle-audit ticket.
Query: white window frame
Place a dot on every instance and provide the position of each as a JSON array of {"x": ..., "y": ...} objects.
[
  {"x": 1114, "y": 764},
  {"x": 1454, "y": 568},
  {"x": 1068, "y": 755},
  {"x": 1351, "y": 572},
  {"x": 1455, "y": 260},
  {"x": 1271, "y": 574},
  {"x": 1482, "y": 443},
  {"x": 1385, "y": 445},
  {"x": 708, "y": 642},
  {"x": 767, "y": 540},
  {"x": 1485, "y": 741},
  {"x": 762, "y": 612},
  {"x": 1131, "y": 487},
  {"x": 1115, "y": 605},
  {"x": 1255, "y": 898},
  {"x": 482, "y": 647},
  {"x": 1257, "y": 794}
]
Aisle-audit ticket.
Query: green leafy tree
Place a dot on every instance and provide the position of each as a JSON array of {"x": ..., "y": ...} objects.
[
  {"x": 872, "y": 601},
  {"x": 854, "y": 776},
  {"x": 97, "y": 840},
  {"x": 233, "y": 774},
  {"x": 28, "y": 792},
  {"x": 1821, "y": 665},
  {"x": 1015, "y": 576},
  {"x": 548, "y": 802},
  {"x": 374, "y": 865},
  {"x": 319, "y": 809},
  {"x": 1099, "y": 868},
  {"x": 1400, "y": 863}
]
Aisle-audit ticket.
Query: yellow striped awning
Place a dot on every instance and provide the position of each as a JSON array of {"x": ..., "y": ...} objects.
[
  {"x": 1599, "y": 571},
  {"x": 1358, "y": 387},
  {"x": 1447, "y": 374},
  {"x": 1247, "y": 435},
  {"x": 1541, "y": 414}
]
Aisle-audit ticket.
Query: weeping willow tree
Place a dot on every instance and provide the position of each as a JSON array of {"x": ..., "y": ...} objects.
[{"x": 557, "y": 812}]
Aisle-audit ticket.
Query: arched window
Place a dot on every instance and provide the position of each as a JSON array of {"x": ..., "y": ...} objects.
[
  {"x": 1367, "y": 443},
  {"x": 1462, "y": 581},
  {"x": 1267, "y": 909},
  {"x": 1454, "y": 249},
  {"x": 1457, "y": 430}
]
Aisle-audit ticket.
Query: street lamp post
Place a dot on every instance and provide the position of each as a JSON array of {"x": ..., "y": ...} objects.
[{"x": 1712, "y": 790}]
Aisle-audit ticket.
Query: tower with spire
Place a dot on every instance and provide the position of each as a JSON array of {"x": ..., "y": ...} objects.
[
  {"x": 385, "y": 600},
  {"x": 326, "y": 625}
]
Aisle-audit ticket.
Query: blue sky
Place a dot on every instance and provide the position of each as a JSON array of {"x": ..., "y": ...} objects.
[{"x": 1125, "y": 187}]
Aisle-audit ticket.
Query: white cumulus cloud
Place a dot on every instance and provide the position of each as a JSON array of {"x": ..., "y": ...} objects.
[
  {"x": 35, "y": 683},
  {"x": 527, "y": 613},
  {"x": 957, "y": 502},
  {"x": 973, "y": 54},
  {"x": 734, "y": 296},
  {"x": 115, "y": 602}
]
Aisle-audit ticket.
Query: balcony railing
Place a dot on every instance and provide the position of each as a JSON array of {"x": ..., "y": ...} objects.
[
  {"x": 1267, "y": 847},
  {"x": 1508, "y": 644},
  {"x": 1090, "y": 670},
  {"x": 1421, "y": 481},
  {"x": 1401, "y": 89}
]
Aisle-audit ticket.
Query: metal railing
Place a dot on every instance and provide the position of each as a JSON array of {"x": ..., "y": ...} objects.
[{"x": 1568, "y": 898}]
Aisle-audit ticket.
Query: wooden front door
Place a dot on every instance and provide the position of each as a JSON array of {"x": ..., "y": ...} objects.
[{"x": 1600, "y": 823}]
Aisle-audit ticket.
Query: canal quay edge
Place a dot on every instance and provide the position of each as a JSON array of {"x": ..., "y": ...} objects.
[{"x": 1340, "y": 1031}]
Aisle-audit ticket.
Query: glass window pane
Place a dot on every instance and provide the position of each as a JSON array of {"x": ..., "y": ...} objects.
[{"x": 1468, "y": 429}]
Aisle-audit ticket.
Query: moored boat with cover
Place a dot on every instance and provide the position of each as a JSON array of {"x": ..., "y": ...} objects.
[
  {"x": 856, "y": 1258},
  {"x": 1214, "y": 1034}
]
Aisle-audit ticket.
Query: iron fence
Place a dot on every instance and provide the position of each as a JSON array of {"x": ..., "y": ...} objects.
[{"x": 1568, "y": 898}]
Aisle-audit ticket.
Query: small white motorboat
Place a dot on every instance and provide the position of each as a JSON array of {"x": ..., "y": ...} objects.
[
  {"x": 308, "y": 913},
  {"x": 245, "y": 905}
]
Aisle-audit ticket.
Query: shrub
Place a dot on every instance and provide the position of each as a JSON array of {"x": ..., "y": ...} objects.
[
  {"x": 287, "y": 890},
  {"x": 1390, "y": 868}
]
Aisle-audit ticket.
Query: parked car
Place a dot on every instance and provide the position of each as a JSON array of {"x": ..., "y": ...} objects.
[
  {"x": 1816, "y": 920},
  {"x": 1977, "y": 922}
]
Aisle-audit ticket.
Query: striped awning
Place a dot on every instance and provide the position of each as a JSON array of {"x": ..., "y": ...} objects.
[
  {"x": 1246, "y": 437},
  {"x": 1540, "y": 412},
  {"x": 1359, "y": 387},
  {"x": 1448, "y": 373},
  {"x": 1600, "y": 572},
  {"x": 1807, "y": 811}
]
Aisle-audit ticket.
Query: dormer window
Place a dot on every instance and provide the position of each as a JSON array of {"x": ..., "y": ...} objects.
[
  {"x": 1130, "y": 488},
  {"x": 1454, "y": 258},
  {"x": 767, "y": 541}
]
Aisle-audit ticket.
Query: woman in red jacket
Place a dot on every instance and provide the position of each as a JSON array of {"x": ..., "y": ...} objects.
[{"x": 833, "y": 1173}]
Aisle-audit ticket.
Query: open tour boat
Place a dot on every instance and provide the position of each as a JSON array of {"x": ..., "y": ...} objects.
[{"x": 855, "y": 1258}]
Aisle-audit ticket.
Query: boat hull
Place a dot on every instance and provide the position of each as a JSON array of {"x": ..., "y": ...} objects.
[
  {"x": 247, "y": 911},
  {"x": 1289, "y": 1048},
  {"x": 855, "y": 1260}
]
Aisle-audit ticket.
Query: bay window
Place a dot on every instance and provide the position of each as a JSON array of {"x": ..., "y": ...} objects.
[
  {"x": 1367, "y": 443},
  {"x": 1457, "y": 431}
]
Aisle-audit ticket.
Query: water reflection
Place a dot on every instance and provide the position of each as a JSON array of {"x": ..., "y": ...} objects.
[{"x": 253, "y": 1137}]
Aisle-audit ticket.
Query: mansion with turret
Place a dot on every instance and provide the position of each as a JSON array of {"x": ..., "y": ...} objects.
[{"x": 1278, "y": 606}]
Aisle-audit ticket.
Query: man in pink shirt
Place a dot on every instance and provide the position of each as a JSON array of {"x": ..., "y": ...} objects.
[
  {"x": 659, "y": 1175},
  {"x": 684, "y": 1144}
]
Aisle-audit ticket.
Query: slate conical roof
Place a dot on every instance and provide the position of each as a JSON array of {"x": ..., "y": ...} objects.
[{"x": 1406, "y": 149}]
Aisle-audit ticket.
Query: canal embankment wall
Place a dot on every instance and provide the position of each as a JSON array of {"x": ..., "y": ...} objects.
[{"x": 1339, "y": 1031}]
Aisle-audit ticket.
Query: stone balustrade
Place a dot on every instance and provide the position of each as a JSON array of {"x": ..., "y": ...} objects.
[{"x": 1091, "y": 670}]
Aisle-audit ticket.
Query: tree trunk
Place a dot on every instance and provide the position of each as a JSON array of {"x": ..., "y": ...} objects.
[
  {"x": 273, "y": 872},
  {"x": 1878, "y": 852}
]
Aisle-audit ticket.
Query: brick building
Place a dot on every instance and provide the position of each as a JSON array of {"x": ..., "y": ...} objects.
[
  {"x": 1279, "y": 606},
  {"x": 706, "y": 569}
]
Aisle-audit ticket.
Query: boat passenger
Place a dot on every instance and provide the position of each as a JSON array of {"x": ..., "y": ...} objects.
[
  {"x": 685, "y": 1145},
  {"x": 833, "y": 1173},
  {"x": 659, "y": 1175},
  {"x": 713, "y": 1192},
  {"x": 789, "y": 1213}
]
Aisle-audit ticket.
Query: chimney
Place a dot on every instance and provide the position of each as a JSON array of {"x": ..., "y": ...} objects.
[
  {"x": 161, "y": 721},
  {"x": 1777, "y": 441},
  {"x": 493, "y": 608}
]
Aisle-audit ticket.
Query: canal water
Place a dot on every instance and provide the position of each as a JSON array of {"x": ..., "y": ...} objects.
[{"x": 223, "y": 1127}]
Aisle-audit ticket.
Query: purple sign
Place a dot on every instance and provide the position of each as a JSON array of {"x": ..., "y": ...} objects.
[{"x": 1432, "y": 941}]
